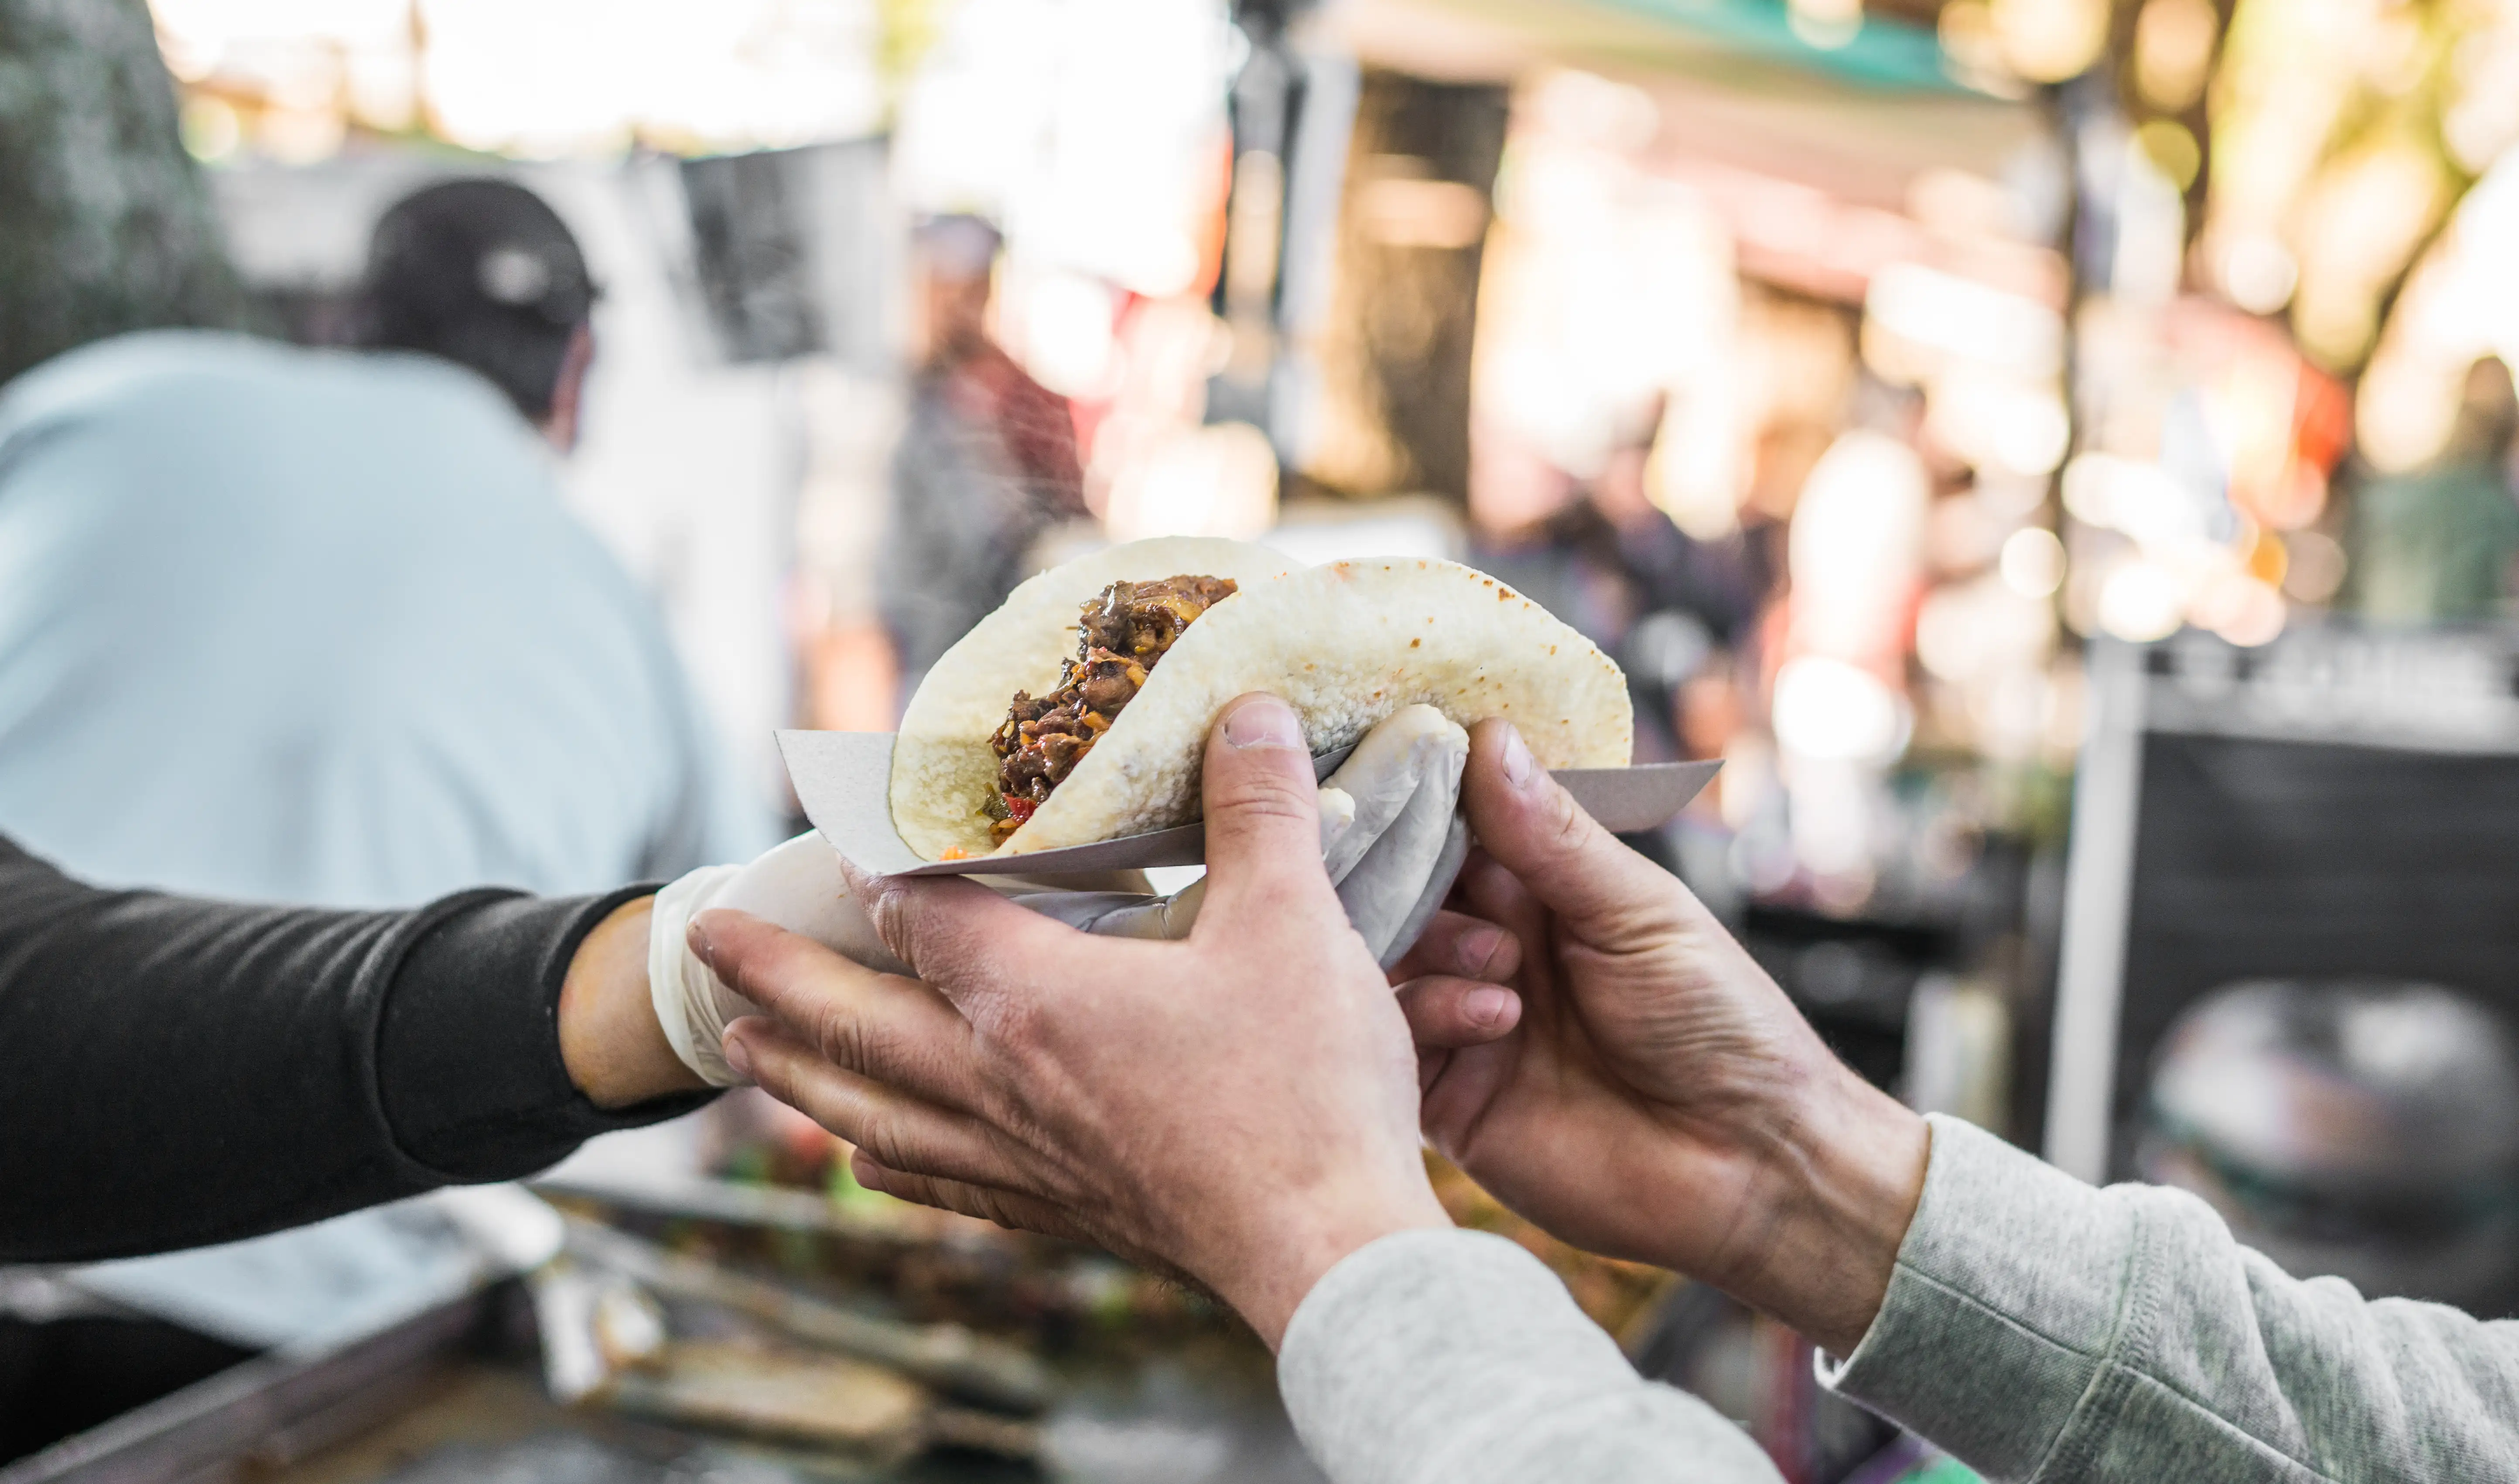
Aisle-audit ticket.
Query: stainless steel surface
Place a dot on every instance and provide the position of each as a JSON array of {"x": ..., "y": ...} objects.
[{"x": 264, "y": 1414}]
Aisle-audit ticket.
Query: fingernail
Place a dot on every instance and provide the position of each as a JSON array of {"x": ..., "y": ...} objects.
[
  {"x": 1264, "y": 722},
  {"x": 699, "y": 940},
  {"x": 1516, "y": 759},
  {"x": 1477, "y": 950},
  {"x": 1485, "y": 1006},
  {"x": 740, "y": 1056}
]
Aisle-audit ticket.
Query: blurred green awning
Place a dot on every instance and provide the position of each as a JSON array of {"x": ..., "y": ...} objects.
[
  {"x": 1743, "y": 43},
  {"x": 1733, "y": 83},
  {"x": 1883, "y": 51}
]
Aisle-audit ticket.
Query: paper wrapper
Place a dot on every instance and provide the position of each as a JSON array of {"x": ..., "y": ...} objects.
[{"x": 842, "y": 778}]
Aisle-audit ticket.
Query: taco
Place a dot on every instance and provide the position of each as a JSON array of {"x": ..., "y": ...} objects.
[{"x": 1078, "y": 711}]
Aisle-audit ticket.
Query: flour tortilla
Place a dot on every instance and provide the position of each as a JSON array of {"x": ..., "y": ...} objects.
[
  {"x": 941, "y": 769},
  {"x": 1345, "y": 644}
]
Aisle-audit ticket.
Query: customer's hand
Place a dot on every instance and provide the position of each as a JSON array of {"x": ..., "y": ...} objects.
[
  {"x": 1239, "y": 1106},
  {"x": 1660, "y": 1099}
]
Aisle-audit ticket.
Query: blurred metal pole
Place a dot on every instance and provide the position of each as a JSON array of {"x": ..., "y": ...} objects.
[
  {"x": 1394, "y": 347},
  {"x": 1267, "y": 104},
  {"x": 2043, "y": 1043}
]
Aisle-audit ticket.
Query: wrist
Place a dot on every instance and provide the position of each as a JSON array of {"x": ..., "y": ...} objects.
[
  {"x": 615, "y": 1052},
  {"x": 1837, "y": 1193},
  {"x": 1294, "y": 1242}
]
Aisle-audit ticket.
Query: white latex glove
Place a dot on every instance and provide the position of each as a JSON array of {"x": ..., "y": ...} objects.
[{"x": 1391, "y": 836}]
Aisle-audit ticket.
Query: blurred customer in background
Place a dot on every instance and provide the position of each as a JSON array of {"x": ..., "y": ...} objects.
[
  {"x": 986, "y": 468},
  {"x": 315, "y": 625},
  {"x": 2436, "y": 544},
  {"x": 1667, "y": 605}
]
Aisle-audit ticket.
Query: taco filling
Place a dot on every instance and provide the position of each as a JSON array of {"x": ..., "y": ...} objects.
[{"x": 1126, "y": 629}]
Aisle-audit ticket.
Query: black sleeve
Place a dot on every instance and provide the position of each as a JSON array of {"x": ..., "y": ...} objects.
[{"x": 176, "y": 1072}]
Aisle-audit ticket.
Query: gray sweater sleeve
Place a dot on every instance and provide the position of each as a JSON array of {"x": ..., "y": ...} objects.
[
  {"x": 1457, "y": 1356},
  {"x": 2043, "y": 1330}
]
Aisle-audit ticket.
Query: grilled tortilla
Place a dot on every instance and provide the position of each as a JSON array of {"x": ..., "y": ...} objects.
[{"x": 1345, "y": 644}]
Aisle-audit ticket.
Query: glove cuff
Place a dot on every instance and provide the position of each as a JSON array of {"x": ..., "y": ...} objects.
[{"x": 690, "y": 1001}]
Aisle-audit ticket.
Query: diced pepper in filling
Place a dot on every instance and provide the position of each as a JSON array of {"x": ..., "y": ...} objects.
[{"x": 1125, "y": 630}]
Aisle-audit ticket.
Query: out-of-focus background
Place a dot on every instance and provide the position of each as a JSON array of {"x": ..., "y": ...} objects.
[{"x": 2058, "y": 454}]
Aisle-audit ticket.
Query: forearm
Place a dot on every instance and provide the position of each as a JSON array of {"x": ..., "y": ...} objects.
[
  {"x": 174, "y": 1072},
  {"x": 1457, "y": 1356},
  {"x": 518, "y": 1028},
  {"x": 2038, "y": 1327}
]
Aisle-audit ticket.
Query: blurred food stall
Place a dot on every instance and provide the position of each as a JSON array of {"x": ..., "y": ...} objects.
[{"x": 1769, "y": 397}]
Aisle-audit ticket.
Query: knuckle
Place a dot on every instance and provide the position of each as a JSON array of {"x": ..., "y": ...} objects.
[
  {"x": 1016, "y": 1023},
  {"x": 1258, "y": 792},
  {"x": 1490, "y": 953},
  {"x": 734, "y": 964},
  {"x": 883, "y": 1137},
  {"x": 770, "y": 1074},
  {"x": 991, "y": 1205},
  {"x": 842, "y": 1037},
  {"x": 888, "y": 905},
  {"x": 822, "y": 1099},
  {"x": 1565, "y": 829}
]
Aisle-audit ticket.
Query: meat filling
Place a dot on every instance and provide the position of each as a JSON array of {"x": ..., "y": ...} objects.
[{"x": 1125, "y": 630}]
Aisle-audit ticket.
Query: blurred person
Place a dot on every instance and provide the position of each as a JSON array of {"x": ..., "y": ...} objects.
[
  {"x": 2436, "y": 544},
  {"x": 1244, "y": 1106},
  {"x": 986, "y": 466},
  {"x": 1669, "y": 607},
  {"x": 1615, "y": 566},
  {"x": 315, "y": 625}
]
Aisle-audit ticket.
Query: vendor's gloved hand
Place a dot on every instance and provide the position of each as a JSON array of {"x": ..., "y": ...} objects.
[{"x": 1391, "y": 836}]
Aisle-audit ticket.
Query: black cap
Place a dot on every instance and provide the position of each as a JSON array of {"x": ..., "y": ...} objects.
[{"x": 482, "y": 272}]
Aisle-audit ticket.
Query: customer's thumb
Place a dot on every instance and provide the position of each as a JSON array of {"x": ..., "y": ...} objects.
[
  {"x": 1532, "y": 827},
  {"x": 1263, "y": 827}
]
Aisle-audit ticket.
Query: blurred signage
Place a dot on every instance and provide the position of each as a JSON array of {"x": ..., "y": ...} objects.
[
  {"x": 2340, "y": 803},
  {"x": 795, "y": 251},
  {"x": 2439, "y": 691}
]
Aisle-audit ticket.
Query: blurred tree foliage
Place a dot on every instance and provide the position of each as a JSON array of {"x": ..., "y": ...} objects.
[
  {"x": 106, "y": 224},
  {"x": 906, "y": 31},
  {"x": 2351, "y": 129}
]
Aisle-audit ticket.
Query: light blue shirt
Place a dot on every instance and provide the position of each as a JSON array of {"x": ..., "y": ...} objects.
[{"x": 315, "y": 625}]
